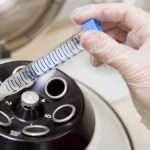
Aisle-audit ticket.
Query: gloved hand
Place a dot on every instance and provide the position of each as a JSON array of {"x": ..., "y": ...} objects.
[{"x": 125, "y": 45}]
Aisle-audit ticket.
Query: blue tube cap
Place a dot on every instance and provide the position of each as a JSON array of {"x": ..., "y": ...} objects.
[{"x": 92, "y": 24}]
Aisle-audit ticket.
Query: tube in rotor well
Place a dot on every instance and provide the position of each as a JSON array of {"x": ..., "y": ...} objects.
[{"x": 27, "y": 76}]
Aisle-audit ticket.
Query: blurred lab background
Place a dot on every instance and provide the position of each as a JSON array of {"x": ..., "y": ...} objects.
[
  {"x": 22, "y": 21},
  {"x": 31, "y": 28}
]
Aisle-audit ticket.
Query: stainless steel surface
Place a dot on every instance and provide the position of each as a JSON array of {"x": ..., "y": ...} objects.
[
  {"x": 43, "y": 130},
  {"x": 29, "y": 99},
  {"x": 18, "y": 69},
  {"x": 21, "y": 20},
  {"x": 60, "y": 84},
  {"x": 68, "y": 117},
  {"x": 5, "y": 123}
]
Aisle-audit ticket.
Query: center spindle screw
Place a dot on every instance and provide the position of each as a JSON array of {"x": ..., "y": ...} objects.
[{"x": 29, "y": 99}]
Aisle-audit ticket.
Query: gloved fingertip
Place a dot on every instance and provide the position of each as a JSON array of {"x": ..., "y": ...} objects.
[
  {"x": 76, "y": 15},
  {"x": 74, "y": 19},
  {"x": 80, "y": 14},
  {"x": 95, "y": 62},
  {"x": 90, "y": 39}
]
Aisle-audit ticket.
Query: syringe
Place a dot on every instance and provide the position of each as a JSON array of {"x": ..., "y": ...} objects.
[{"x": 28, "y": 75}]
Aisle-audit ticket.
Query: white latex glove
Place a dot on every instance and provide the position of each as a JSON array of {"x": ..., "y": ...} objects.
[{"x": 125, "y": 45}]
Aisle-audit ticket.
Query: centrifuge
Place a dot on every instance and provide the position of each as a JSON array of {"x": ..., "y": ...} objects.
[{"x": 56, "y": 112}]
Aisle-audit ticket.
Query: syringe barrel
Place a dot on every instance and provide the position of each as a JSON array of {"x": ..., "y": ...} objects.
[{"x": 26, "y": 77}]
